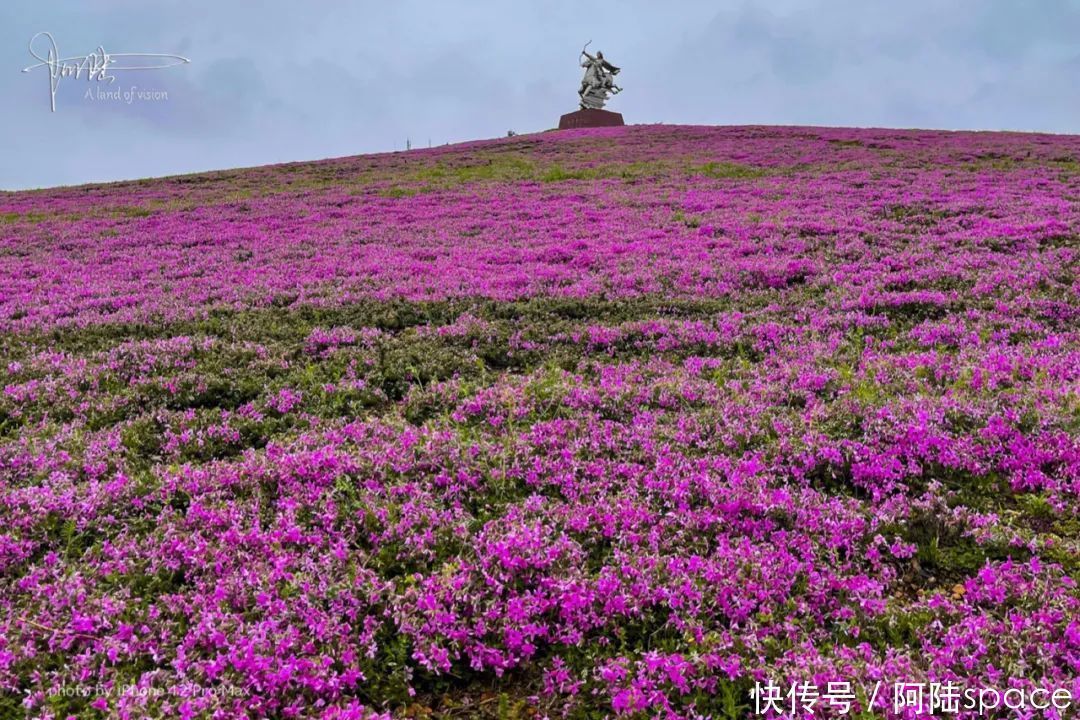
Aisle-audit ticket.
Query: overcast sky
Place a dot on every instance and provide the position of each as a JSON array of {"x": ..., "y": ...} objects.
[{"x": 276, "y": 81}]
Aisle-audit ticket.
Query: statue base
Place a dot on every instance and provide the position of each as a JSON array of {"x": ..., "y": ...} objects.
[{"x": 590, "y": 119}]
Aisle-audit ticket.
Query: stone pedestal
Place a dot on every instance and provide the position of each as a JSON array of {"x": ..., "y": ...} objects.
[{"x": 590, "y": 119}]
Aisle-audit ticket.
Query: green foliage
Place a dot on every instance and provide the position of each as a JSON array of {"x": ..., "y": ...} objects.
[
  {"x": 133, "y": 212},
  {"x": 895, "y": 628},
  {"x": 557, "y": 173},
  {"x": 690, "y": 221},
  {"x": 29, "y": 217},
  {"x": 399, "y": 192},
  {"x": 503, "y": 168},
  {"x": 720, "y": 170}
]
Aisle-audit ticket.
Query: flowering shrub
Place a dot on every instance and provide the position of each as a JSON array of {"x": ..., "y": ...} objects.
[{"x": 580, "y": 424}]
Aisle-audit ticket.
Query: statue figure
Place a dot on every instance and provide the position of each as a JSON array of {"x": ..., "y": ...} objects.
[{"x": 599, "y": 80}]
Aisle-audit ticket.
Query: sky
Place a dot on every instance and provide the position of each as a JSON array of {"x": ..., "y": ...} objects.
[{"x": 279, "y": 81}]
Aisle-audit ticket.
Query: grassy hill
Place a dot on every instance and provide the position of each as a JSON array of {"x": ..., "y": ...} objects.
[{"x": 584, "y": 423}]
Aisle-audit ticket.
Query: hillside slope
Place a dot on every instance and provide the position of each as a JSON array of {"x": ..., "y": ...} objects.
[{"x": 595, "y": 422}]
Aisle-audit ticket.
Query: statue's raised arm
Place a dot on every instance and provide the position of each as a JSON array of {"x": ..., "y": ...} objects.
[{"x": 588, "y": 58}]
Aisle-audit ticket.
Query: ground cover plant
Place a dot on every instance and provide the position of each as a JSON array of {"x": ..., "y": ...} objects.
[{"x": 577, "y": 424}]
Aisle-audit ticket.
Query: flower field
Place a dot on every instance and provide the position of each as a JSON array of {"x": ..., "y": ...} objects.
[{"x": 584, "y": 424}]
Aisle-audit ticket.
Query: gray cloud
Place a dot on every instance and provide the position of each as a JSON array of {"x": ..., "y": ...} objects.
[{"x": 293, "y": 81}]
